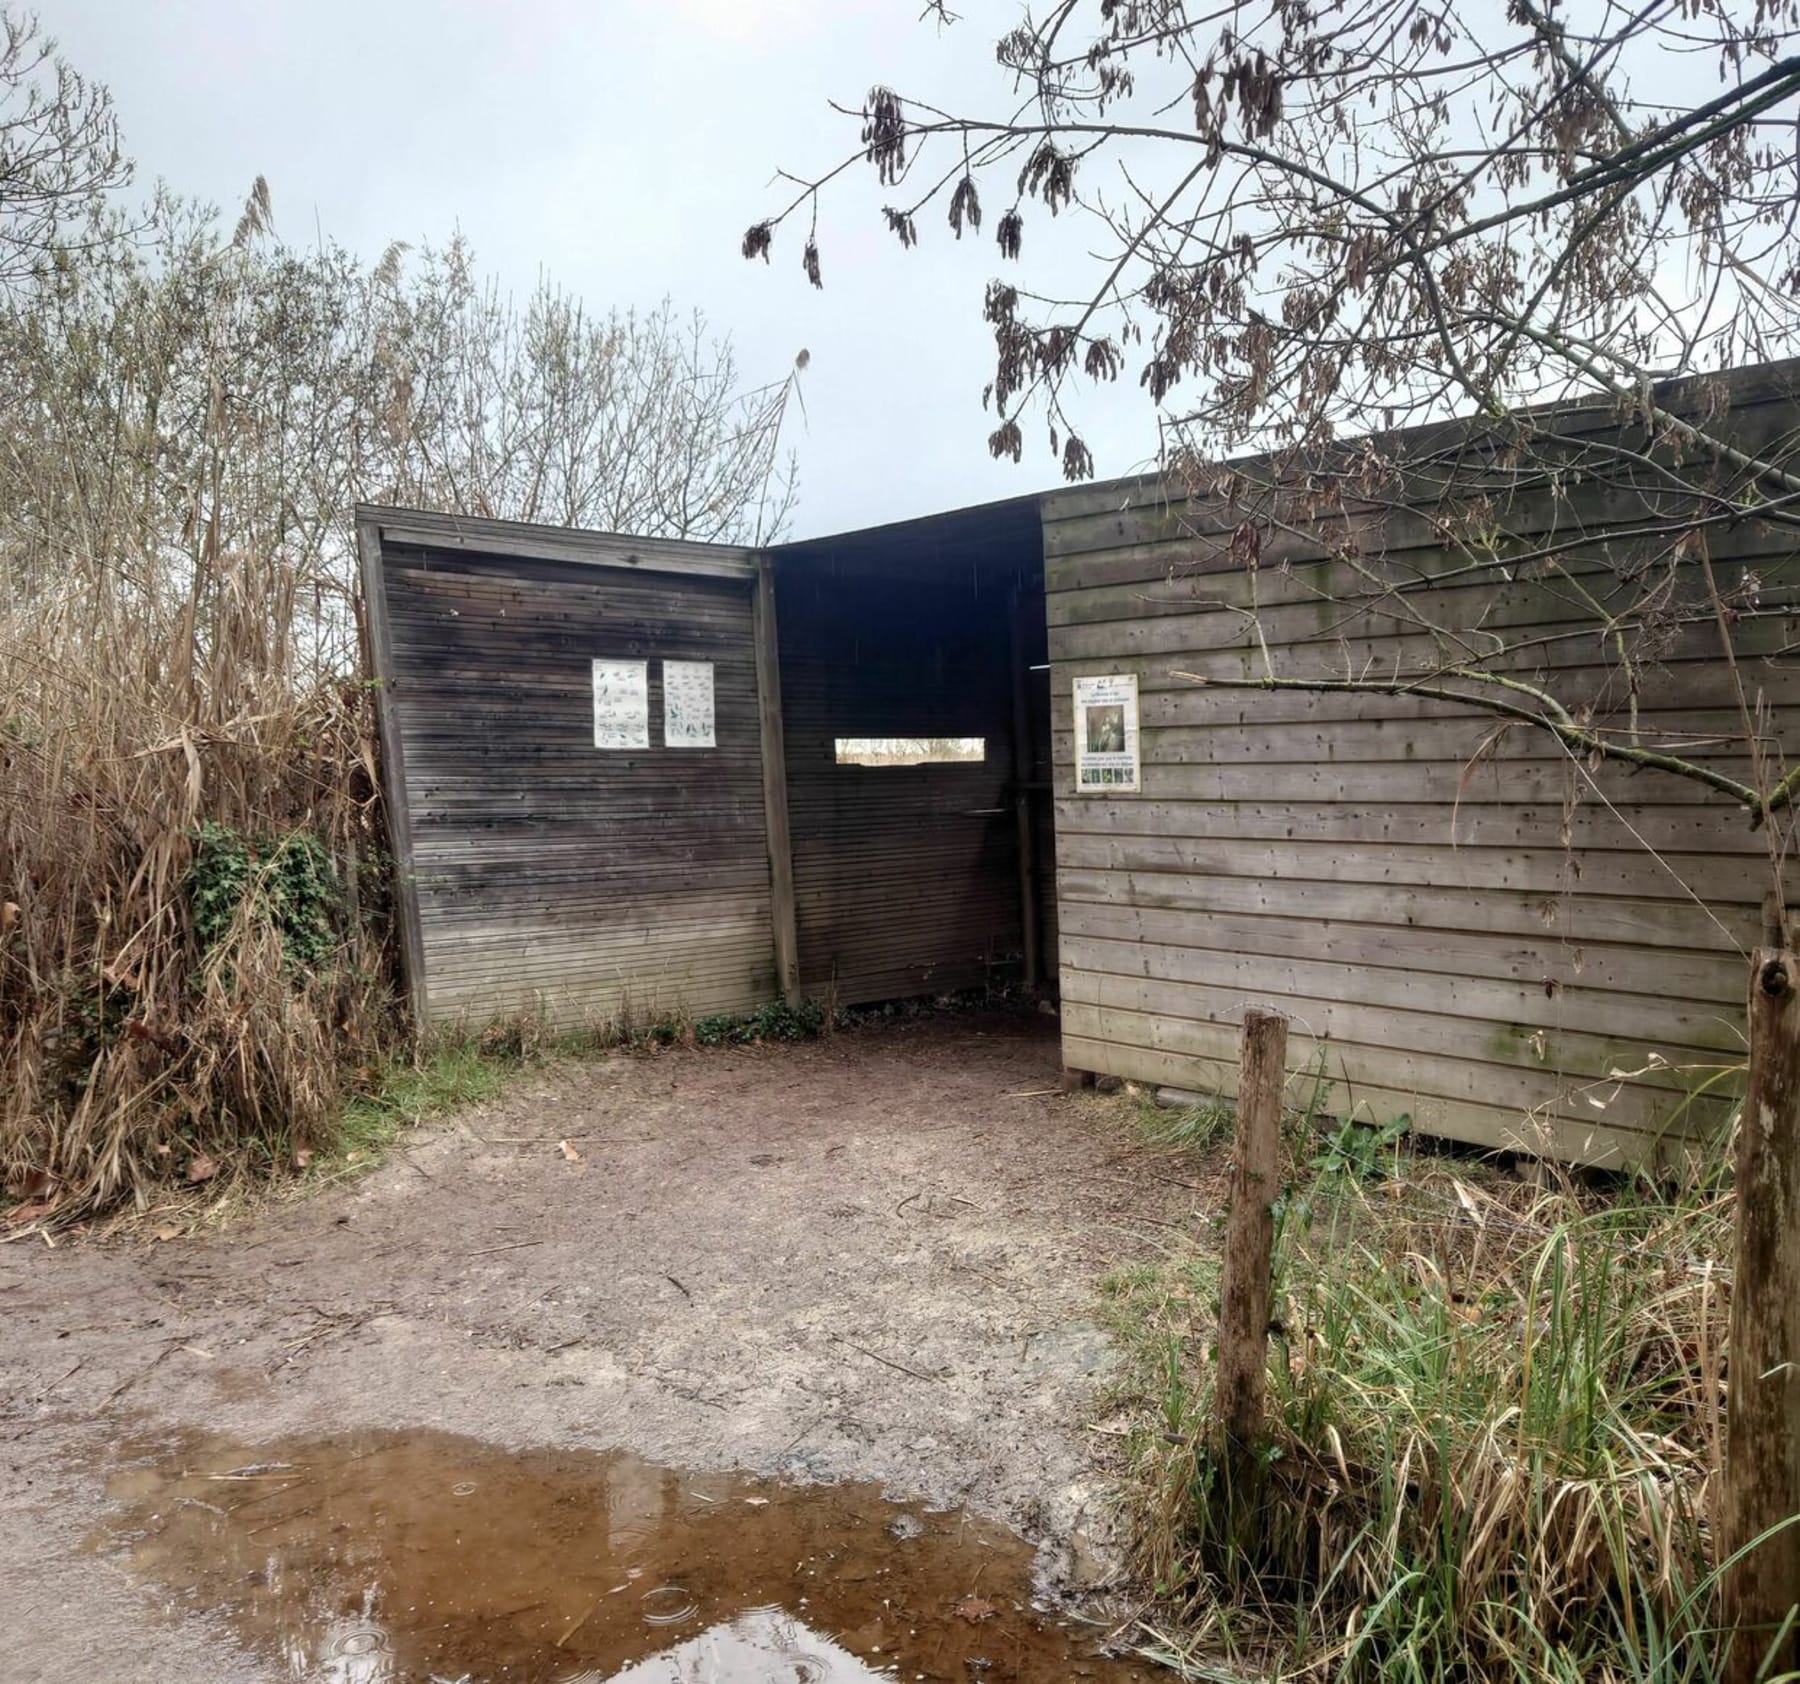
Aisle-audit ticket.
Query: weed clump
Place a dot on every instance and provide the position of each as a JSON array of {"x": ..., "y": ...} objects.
[
  {"x": 1495, "y": 1422},
  {"x": 776, "y": 1022}
]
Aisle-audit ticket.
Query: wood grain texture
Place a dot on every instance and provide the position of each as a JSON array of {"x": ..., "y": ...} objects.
[
  {"x": 1466, "y": 925},
  {"x": 766, "y": 630},
  {"x": 550, "y": 876},
  {"x": 906, "y": 878},
  {"x": 1246, "y": 1284}
]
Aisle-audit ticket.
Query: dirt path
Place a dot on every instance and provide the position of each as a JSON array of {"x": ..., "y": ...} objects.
[{"x": 872, "y": 1257}]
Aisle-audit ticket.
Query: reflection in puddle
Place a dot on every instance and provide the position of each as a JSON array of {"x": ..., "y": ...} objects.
[{"x": 390, "y": 1558}]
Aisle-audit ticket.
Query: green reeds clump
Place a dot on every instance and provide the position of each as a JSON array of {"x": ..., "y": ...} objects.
[{"x": 1495, "y": 1429}]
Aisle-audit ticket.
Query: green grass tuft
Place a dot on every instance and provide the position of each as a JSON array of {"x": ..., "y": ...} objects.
[
  {"x": 1495, "y": 1418},
  {"x": 446, "y": 1075}
]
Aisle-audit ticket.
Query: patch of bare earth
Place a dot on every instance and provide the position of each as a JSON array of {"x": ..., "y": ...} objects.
[{"x": 874, "y": 1256}]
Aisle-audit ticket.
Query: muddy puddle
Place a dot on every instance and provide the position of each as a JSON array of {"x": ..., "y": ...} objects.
[{"x": 423, "y": 1558}]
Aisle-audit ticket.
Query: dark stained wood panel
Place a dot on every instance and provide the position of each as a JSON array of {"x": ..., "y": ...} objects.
[
  {"x": 587, "y": 885},
  {"x": 906, "y": 878}
]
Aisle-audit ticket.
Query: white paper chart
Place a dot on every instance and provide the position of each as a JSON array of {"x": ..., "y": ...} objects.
[
  {"x": 621, "y": 704},
  {"x": 688, "y": 704}
]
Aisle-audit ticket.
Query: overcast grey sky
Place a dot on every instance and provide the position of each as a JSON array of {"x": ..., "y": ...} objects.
[{"x": 623, "y": 146}]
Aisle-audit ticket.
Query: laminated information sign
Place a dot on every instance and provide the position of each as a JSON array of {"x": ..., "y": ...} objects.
[
  {"x": 688, "y": 704},
  {"x": 1106, "y": 734},
  {"x": 621, "y": 704}
]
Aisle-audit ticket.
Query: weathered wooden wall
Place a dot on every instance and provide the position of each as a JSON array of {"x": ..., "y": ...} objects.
[
  {"x": 545, "y": 874},
  {"x": 1469, "y": 929},
  {"x": 539, "y": 873},
  {"x": 906, "y": 878}
]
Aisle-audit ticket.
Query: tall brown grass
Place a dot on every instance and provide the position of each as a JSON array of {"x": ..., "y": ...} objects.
[
  {"x": 195, "y": 958},
  {"x": 146, "y": 736}
]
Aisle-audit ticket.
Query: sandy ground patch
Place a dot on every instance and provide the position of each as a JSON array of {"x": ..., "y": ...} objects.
[{"x": 873, "y": 1257}]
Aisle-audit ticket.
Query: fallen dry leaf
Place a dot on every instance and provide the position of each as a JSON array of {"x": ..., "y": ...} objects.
[
  {"x": 570, "y": 1153},
  {"x": 975, "y": 1608},
  {"x": 21, "y": 1214},
  {"x": 201, "y": 1168}
]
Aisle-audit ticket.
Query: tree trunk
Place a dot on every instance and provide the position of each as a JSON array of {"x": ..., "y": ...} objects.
[{"x": 1762, "y": 1463}]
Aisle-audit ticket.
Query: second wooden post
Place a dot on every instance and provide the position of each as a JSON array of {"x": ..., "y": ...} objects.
[
  {"x": 1762, "y": 1441},
  {"x": 1246, "y": 1286}
]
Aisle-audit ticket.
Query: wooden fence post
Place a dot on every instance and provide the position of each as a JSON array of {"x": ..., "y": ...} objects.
[
  {"x": 1245, "y": 1287},
  {"x": 1762, "y": 1446}
]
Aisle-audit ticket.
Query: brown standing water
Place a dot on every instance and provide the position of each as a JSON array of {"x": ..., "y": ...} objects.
[{"x": 424, "y": 1558}]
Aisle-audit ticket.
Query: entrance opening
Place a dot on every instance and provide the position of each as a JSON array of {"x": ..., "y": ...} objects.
[{"x": 916, "y": 714}]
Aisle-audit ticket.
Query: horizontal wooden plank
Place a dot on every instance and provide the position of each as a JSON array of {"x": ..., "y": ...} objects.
[
  {"x": 1354, "y": 967},
  {"x": 1713, "y": 880},
  {"x": 1676, "y": 827},
  {"x": 1654, "y": 925},
  {"x": 1446, "y": 743},
  {"x": 1760, "y": 399},
  {"x": 1387, "y": 592},
  {"x": 1174, "y": 641},
  {"x": 1451, "y": 1080},
  {"x": 1606, "y": 1145},
  {"x": 1540, "y": 963},
  {"x": 1535, "y": 782},
  {"x": 520, "y": 541}
]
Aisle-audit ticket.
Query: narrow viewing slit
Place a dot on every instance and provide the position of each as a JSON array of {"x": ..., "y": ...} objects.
[{"x": 910, "y": 751}]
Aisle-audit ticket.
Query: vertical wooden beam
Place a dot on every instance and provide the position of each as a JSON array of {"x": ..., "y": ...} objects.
[
  {"x": 1030, "y": 912},
  {"x": 1246, "y": 1287},
  {"x": 775, "y": 794},
  {"x": 1762, "y": 1446},
  {"x": 380, "y": 659}
]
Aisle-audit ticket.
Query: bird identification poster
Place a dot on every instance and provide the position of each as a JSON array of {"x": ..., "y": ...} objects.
[
  {"x": 1106, "y": 734},
  {"x": 688, "y": 704},
  {"x": 621, "y": 704}
]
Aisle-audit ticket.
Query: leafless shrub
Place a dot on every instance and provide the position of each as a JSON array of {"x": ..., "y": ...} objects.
[{"x": 194, "y": 931}]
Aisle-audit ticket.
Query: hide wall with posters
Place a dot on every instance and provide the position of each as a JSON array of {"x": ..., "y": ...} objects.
[
  {"x": 547, "y": 874},
  {"x": 563, "y": 850},
  {"x": 1467, "y": 925}
]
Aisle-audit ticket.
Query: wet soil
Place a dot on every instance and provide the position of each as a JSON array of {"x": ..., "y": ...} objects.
[
  {"x": 872, "y": 1258},
  {"x": 374, "y": 1558}
]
